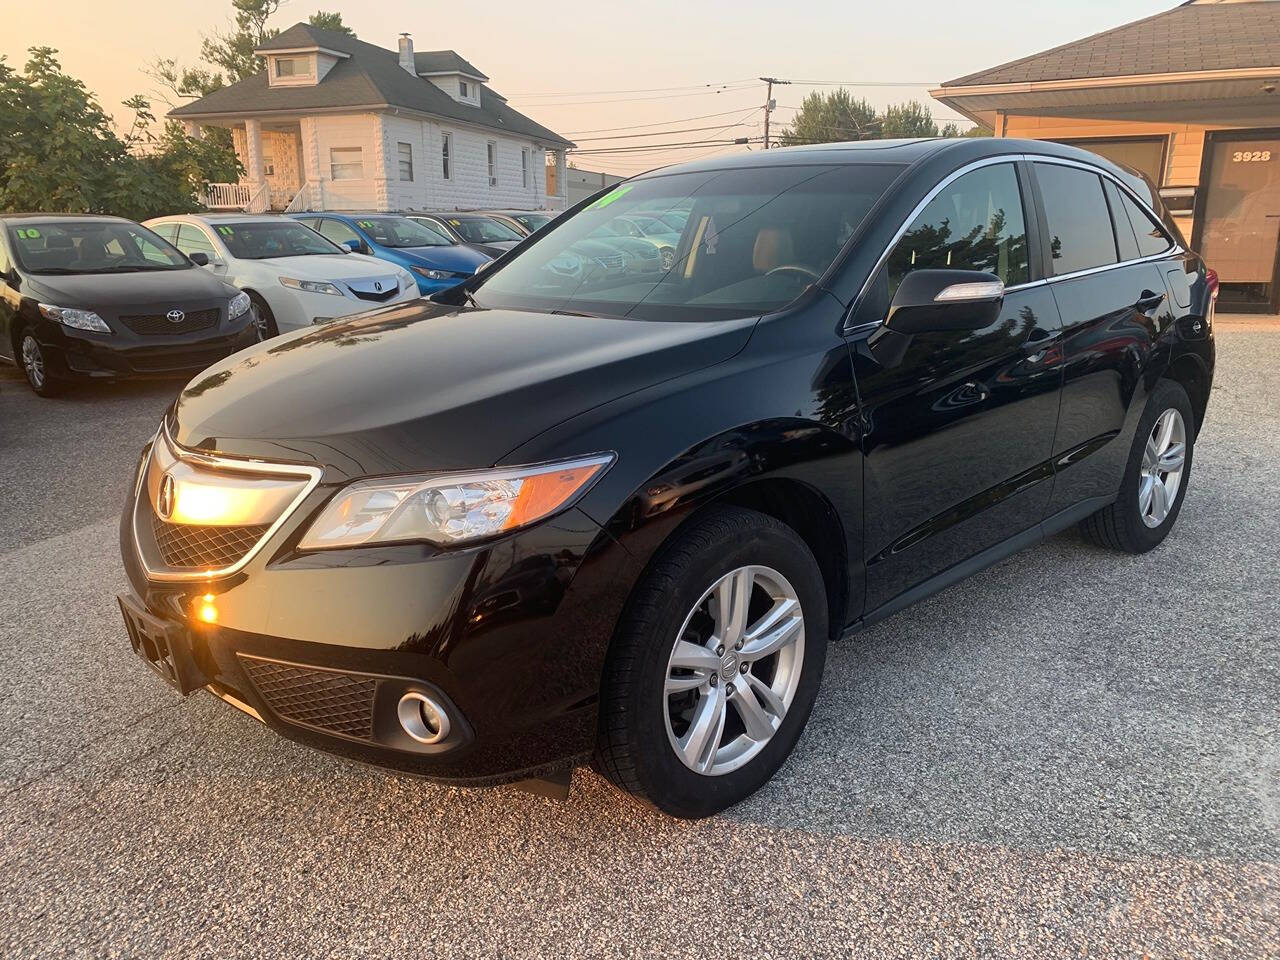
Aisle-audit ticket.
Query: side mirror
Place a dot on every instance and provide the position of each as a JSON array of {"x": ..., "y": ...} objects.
[
  {"x": 199, "y": 259},
  {"x": 353, "y": 246},
  {"x": 930, "y": 301}
]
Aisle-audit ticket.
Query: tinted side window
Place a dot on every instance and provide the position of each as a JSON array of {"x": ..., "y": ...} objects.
[
  {"x": 166, "y": 230},
  {"x": 1078, "y": 222},
  {"x": 1151, "y": 236},
  {"x": 338, "y": 232},
  {"x": 1126, "y": 242},
  {"x": 192, "y": 240},
  {"x": 974, "y": 223}
]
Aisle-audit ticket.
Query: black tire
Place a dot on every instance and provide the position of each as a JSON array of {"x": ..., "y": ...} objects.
[
  {"x": 263, "y": 317},
  {"x": 1120, "y": 526},
  {"x": 46, "y": 386},
  {"x": 633, "y": 749}
]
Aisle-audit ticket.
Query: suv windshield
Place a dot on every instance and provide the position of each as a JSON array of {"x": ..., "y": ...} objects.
[
  {"x": 91, "y": 246},
  {"x": 401, "y": 232},
  {"x": 531, "y": 221},
  {"x": 268, "y": 239},
  {"x": 482, "y": 229},
  {"x": 754, "y": 240}
]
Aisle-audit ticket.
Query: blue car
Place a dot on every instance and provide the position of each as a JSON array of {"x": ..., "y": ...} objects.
[{"x": 436, "y": 262}]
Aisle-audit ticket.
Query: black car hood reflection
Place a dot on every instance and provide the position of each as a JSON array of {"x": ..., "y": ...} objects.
[{"x": 424, "y": 386}]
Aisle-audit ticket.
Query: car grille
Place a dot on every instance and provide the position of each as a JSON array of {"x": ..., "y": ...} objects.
[
  {"x": 613, "y": 262},
  {"x": 340, "y": 703},
  {"x": 185, "y": 546},
  {"x": 159, "y": 325},
  {"x": 382, "y": 297}
]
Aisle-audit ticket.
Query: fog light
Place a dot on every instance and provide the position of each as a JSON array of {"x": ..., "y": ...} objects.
[
  {"x": 422, "y": 718},
  {"x": 206, "y": 611}
]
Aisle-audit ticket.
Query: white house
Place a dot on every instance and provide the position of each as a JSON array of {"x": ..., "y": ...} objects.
[{"x": 334, "y": 123}]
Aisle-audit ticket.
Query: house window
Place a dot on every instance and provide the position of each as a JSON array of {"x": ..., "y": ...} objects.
[
  {"x": 493, "y": 163},
  {"x": 462, "y": 89},
  {"x": 268, "y": 167},
  {"x": 406, "y": 160},
  {"x": 292, "y": 67},
  {"x": 524, "y": 166},
  {"x": 446, "y": 153},
  {"x": 346, "y": 163}
]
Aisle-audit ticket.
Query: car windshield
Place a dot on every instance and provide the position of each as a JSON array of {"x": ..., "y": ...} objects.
[
  {"x": 91, "y": 246},
  {"x": 269, "y": 239},
  {"x": 650, "y": 226},
  {"x": 481, "y": 229},
  {"x": 402, "y": 232},
  {"x": 755, "y": 239},
  {"x": 533, "y": 221}
]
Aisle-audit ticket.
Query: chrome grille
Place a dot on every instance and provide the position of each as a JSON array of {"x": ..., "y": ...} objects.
[
  {"x": 613, "y": 262},
  {"x": 159, "y": 325},
  {"x": 185, "y": 546},
  {"x": 341, "y": 703}
]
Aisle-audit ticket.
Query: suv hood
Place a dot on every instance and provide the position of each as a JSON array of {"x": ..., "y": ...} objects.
[
  {"x": 457, "y": 258},
  {"x": 424, "y": 386}
]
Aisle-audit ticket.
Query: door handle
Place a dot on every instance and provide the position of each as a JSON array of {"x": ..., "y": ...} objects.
[
  {"x": 1149, "y": 301},
  {"x": 1039, "y": 344}
]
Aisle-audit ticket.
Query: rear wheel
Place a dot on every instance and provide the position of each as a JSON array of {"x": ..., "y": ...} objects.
[
  {"x": 1155, "y": 479},
  {"x": 34, "y": 365},
  {"x": 716, "y": 665}
]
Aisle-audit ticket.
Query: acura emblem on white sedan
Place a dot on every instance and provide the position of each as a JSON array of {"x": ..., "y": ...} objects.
[
  {"x": 175, "y": 316},
  {"x": 377, "y": 285}
]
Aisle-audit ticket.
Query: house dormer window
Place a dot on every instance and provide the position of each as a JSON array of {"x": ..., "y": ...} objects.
[
  {"x": 292, "y": 67},
  {"x": 463, "y": 90}
]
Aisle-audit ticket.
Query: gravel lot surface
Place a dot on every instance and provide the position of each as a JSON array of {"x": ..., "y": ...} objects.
[{"x": 1075, "y": 753}]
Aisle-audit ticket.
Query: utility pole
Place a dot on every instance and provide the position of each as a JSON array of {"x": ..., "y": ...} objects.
[{"x": 769, "y": 104}]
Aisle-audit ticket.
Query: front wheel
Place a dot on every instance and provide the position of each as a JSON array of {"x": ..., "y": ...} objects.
[
  {"x": 35, "y": 366},
  {"x": 264, "y": 320},
  {"x": 1155, "y": 479},
  {"x": 716, "y": 665}
]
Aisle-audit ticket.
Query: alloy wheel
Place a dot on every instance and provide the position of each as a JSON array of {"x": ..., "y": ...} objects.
[
  {"x": 260, "y": 324},
  {"x": 1163, "y": 460},
  {"x": 734, "y": 670},
  {"x": 33, "y": 361}
]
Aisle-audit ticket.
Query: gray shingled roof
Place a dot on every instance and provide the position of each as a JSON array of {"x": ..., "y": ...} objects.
[
  {"x": 445, "y": 61},
  {"x": 370, "y": 77},
  {"x": 1194, "y": 37}
]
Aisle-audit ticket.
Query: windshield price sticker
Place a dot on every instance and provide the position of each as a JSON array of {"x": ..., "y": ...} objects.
[
  {"x": 610, "y": 197},
  {"x": 365, "y": 224},
  {"x": 29, "y": 233},
  {"x": 225, "y": 231}
]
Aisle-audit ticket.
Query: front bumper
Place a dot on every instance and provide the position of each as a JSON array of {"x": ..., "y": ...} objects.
[
  {"x": 77, "y": 354},
  {"x": 296, "y": 309},
  {"x": 510, "y": 636}
]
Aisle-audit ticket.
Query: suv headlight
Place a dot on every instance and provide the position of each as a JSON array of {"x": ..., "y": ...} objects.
[
  {"x": 451, "y": 508},
  {"x": 432, "y": 274},
  {"x": 311, "y": 286},
  {"x": 238, "y": 306},
  {"x": 77, "y": 319}
]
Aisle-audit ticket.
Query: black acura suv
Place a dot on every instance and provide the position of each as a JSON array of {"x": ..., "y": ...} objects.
[
  {"x": 547, "y": 519},
  {"x": 92, "y": 297}
]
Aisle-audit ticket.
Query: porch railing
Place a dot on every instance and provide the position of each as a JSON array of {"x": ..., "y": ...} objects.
[
  {"x": 251, "y": 198},
  {"x": 306, "y": 199}
]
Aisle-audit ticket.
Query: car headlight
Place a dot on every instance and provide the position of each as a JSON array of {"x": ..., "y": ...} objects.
[
  {"x": 432, "y": 274},
  {"x": 77, "y": 319},
  {"x": 311, "y": 286},
  {"x": 406, "y": 279},
  {"x": 451, "y": 508},
  {"x": 238, "y": 306}
]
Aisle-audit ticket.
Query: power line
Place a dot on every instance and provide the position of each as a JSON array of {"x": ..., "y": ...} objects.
[
  {"x": 673, "y": 96},
  {"x": 598, "y": 151},
  {"x": 656, "y": 123},
  {"x": 583, "y": 93},
  {"x": 663, "y": 133}
]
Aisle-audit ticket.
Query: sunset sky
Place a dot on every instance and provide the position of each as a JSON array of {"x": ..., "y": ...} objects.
[{"x": 587, "y": 69}]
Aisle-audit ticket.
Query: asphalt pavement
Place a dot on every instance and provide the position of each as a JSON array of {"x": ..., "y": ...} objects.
[{"x": 1075, "y": 753}]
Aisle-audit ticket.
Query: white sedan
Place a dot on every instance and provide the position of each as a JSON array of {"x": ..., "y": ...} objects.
[{"x": 293, "y": 276}]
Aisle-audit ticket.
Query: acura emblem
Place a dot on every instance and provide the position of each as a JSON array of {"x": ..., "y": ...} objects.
[
  {"x": 175, "y": 316},
  {"x": 377, "y": 285},
  {"x": 164, "y": 499}
]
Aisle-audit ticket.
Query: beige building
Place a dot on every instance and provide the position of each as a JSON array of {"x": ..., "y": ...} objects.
[{"x": 1191, "y": 97}]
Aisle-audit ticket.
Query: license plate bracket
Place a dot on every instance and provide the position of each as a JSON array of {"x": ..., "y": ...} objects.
[{"x": 164, "y": 647}]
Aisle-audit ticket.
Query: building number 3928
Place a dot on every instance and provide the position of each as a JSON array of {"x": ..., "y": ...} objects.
[{"x": 1250, "y": 156}]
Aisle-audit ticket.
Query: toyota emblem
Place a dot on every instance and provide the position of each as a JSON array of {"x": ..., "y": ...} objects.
[
  {"x": 175, "y": 316},
  {"x": 165, "y": 498},
  {"x": 377, "y": 285}
]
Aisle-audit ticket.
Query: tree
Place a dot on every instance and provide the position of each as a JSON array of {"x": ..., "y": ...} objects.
[
  {"x": 330, "y": 21},
  {"x": 60, "y": 153},
  {"x": 908, "y": 120},
  {"x": 233, "y": 52},
  {"x": 831, "y": 118}
]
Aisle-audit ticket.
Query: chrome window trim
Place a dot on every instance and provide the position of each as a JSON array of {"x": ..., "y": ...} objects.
[
  {"x": 235, "y": 465},
  {"x": 1011, "y": 158}
]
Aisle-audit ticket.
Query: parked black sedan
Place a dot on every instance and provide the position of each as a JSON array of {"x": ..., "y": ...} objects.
[
  {"x": 100, "y": 297},
  {"x": 476, "y": 230},
  {"x": 538, "y": 521}
]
